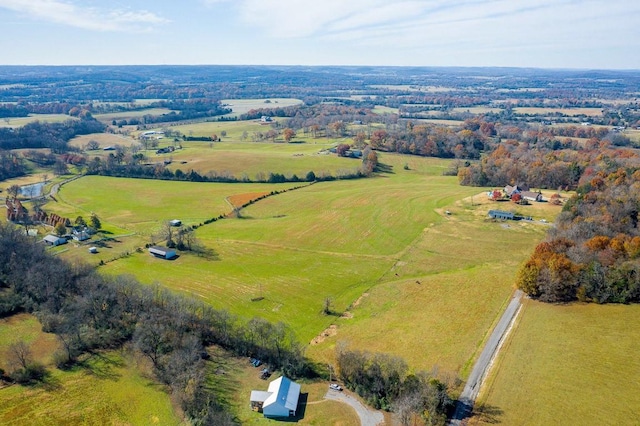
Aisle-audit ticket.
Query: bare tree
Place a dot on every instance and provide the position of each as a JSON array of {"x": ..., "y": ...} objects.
[{"x": 19, "y": 355}]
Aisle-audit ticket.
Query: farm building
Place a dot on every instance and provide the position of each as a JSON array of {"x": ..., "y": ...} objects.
[
  {"x": 175, "y": 222},
  {"x": 280, "y": 399},
  {"x": 93, "y": 250},
  {"x": 500, "y": 214},
  {"x": 53, "y": 240},
  {"x": 162, "y": 252},
  {"x": 531, "y": 196},
  {"x": 81, "y": 235}
]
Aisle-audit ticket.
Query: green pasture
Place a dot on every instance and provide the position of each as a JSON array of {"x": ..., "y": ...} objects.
[
  {"x": 108, "y": 389},
  {"x": 566, "y": 364},
  {"x": 242, "y": 106},
  {"x": 47, "y": 118},
  {"x": 248, "y": 159},
  {"x": 126, "y": 115},
  {"x": 382, "y": 110},
  {"x": 141, "y": 205},
  {"x": 104, "y": 139}
]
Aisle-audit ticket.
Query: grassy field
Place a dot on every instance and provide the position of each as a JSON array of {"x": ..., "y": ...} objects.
[
  {"x": 104, "y": 139},
  {"x": 107, "y": 389},
  {"x": 572, "y": 364},
  {"x": 250, "y": 159},
  {"x": 126, "y": 115},
  {"x": 589, "y": 112},
  {"x": 48, "y": 118},
  {"x": 242, "y": 106}
]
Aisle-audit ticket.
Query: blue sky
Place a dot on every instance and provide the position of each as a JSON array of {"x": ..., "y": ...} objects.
[{"x": 518, "y": 33}]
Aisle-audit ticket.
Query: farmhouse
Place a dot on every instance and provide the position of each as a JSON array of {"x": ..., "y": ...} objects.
[
  {"x": 80, "y": 235},
  {"x": 162, "y": 252},
  {"x": 53, "y": 240},
  {"x": 500, "y": 214},
  {"x": 280, "y": 400}
]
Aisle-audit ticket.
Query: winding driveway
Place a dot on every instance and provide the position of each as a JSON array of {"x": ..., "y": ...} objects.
[
  {"x": 368, "y": 417},
  {"x": 464, "y": 405}
]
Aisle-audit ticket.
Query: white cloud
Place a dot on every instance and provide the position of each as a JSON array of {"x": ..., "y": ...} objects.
[{"x": 85, "y": 17}]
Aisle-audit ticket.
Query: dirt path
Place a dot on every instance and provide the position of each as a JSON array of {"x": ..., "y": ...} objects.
[
  {"x": 368, "y": 417},
  {"x": 464, "y": 405}
]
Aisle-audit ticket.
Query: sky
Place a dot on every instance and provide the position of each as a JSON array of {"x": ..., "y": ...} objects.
[{"x": 580, "y": 34}]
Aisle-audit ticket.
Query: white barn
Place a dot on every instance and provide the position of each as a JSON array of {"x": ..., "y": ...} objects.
[
  {"x": 280, "y": 400},
  {"x": 162, "y": 252},
  {"x": 54, "y": 240}
]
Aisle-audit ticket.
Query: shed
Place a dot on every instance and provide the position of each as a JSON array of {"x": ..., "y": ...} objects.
[
  {"x": 500, "y": 214},
  {"x": 162, "y": 252},
  {"x": 93, "y": 250},
  {"x": 53, "y": 240},
  {"x": 280, "y": 400},
  {"x": 175, "y": 222}
]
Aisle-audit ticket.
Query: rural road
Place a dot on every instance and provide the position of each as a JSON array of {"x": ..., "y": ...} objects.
[
  {"x": 368, "y": 417},
  {"x": 467, "y": 398}
]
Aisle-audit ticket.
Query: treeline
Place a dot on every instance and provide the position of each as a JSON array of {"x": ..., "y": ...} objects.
[
  {"x": 89, "y": 312},
  {"x": 385, "y": 383},
  {"x": 47, "y": 135},
  {"x": 11, "y": 165},
  {"x": 593, "y": 252}
]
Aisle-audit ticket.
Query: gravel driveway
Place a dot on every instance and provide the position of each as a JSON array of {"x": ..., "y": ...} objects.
[{"x": 368, "y": 417}]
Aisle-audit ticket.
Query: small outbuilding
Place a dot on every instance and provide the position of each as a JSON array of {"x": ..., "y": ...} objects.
[
  {"x": 280, "y": 399},
  {"x": 93, "y": 250},
  {"x": 500, "y": 214},
  {"x": 162, "y": 252},
  {"x": 54, "y": 240},
  {"x": 175, "y": 222}
]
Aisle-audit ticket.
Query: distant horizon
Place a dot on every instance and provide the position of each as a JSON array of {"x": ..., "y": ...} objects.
[
  {"x": 324, "y": 66},
  {"x": 540, "y": 34}
]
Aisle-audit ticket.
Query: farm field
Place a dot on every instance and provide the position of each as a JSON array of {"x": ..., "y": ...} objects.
[
  {"x": 590, "y": 112},
  {"x": 118, "y": 392},
  {"x": 242, "y": 106},
  {"x": 332, "y": 239},
  {"x": 566, "y": 364},
  {"x": 104, "y": 139},
  {"x": 48, "y": 118},
  {"x": 251, "y": 159},
  {"x": 125, "y": 115}
]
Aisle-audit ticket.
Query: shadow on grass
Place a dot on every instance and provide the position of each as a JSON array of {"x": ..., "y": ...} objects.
[
  {"x": 221, "y": 373},
  {"x": 103, "y": 367},
  {"x": 487, "y": 414},
  {"x": 384, "y": 168}
]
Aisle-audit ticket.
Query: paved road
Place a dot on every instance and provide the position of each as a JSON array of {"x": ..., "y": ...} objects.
[
  {"x": 368, "y": 417},
  {"x": 467, "y": 398}
]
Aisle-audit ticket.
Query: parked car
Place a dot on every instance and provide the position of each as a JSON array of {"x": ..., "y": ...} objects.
[{"x": 335, "y": 386}]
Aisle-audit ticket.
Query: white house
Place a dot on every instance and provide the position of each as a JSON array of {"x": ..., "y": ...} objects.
[{"x": 280, "y": 400}]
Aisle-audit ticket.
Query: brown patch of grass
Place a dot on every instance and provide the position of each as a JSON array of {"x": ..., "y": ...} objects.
[{"x": 239, "y": 200}]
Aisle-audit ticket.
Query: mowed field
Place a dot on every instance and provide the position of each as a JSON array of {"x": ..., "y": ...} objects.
[
  {"x": 242, "y": 106},
  {"x": 342, "y": 239},
  {"x": 567, "y": 364},
  {"x": 250, "y": 159},
  {"x": 48, "y": 118},
  {"x": 107, "y": 389}
]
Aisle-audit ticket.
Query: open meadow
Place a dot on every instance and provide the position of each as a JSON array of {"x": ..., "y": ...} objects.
[
  {"x": 566, "y": 364},
  {"x": 242, "y": 106},
  {"x": 107, "y": 388},
  {"x": 341, "y": 239},
  {"x": 45, "y": 118}
]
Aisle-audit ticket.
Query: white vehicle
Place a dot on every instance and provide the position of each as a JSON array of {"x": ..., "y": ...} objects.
[{"x": 335, "y": 386}]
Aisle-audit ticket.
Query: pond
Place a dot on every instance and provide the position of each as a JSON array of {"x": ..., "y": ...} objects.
[{"x": 30, "y": 191}]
